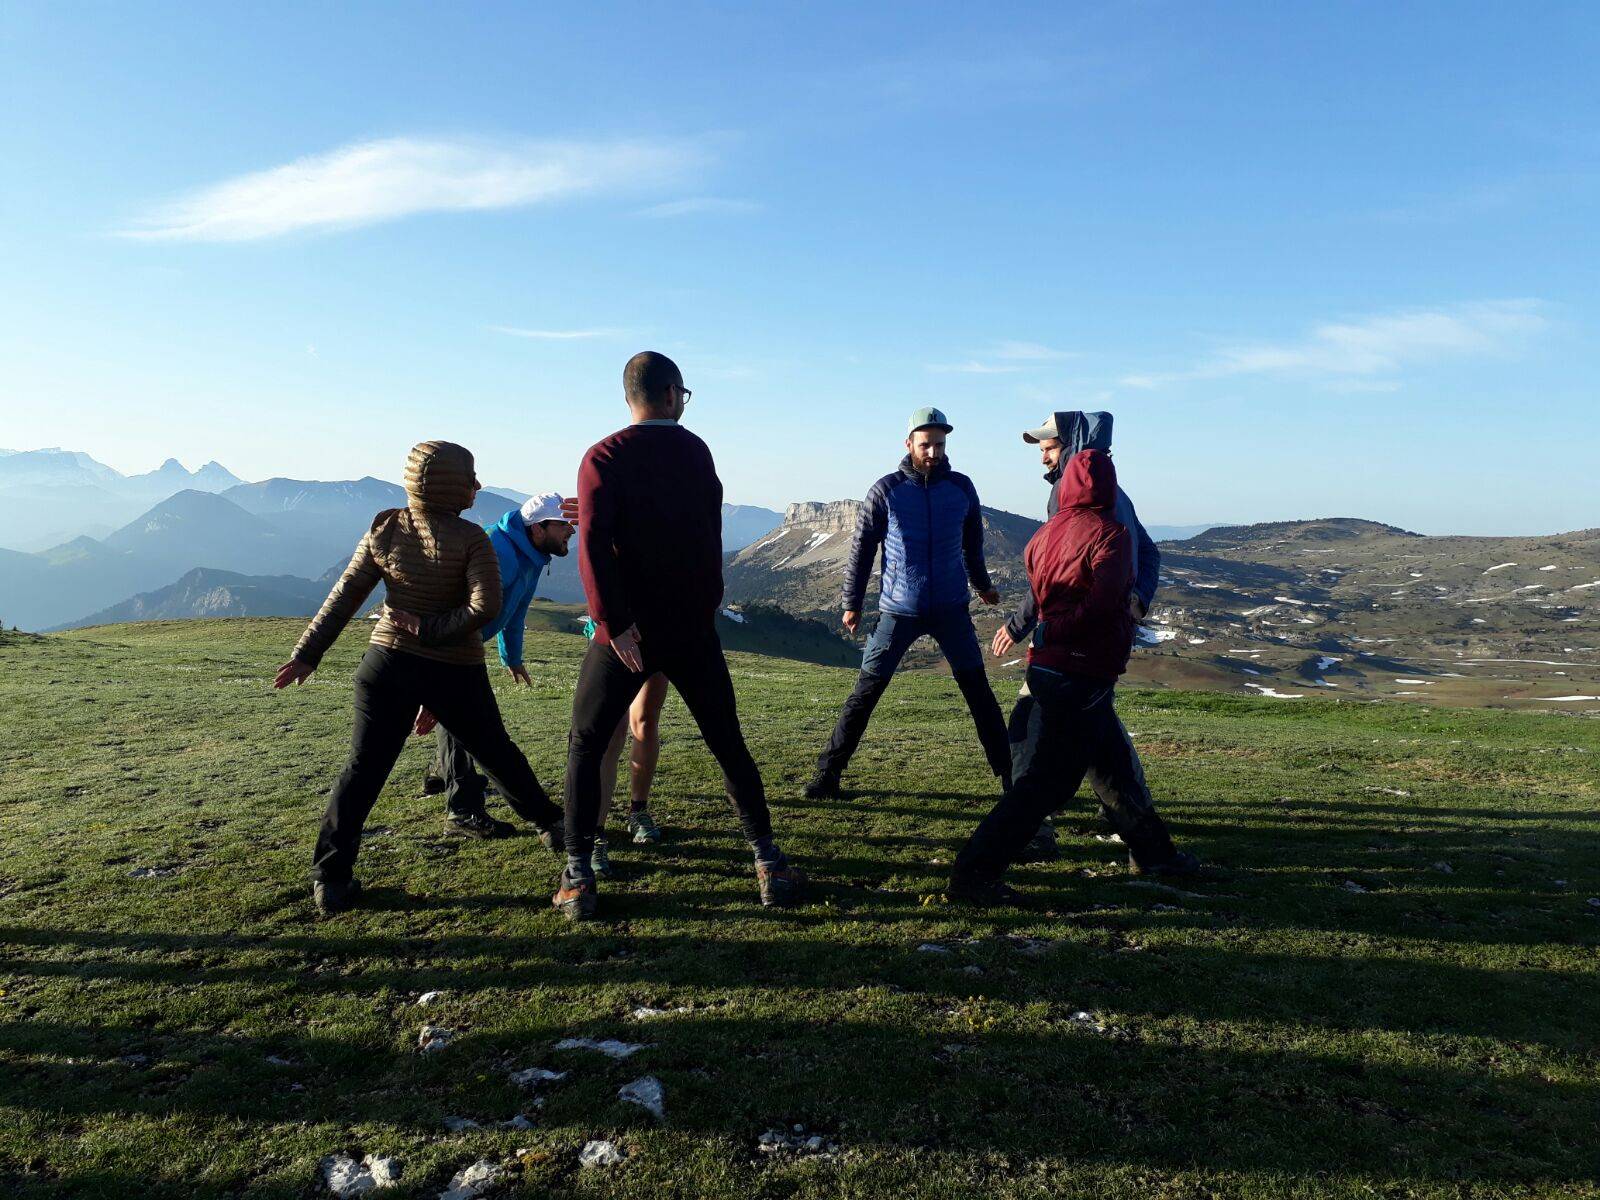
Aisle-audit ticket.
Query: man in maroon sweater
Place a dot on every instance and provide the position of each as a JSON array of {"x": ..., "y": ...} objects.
[{"x": 650, "y": 553}]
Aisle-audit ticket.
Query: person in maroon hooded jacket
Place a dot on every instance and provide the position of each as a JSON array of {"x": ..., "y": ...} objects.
[{"x": 1080, "y": 566}]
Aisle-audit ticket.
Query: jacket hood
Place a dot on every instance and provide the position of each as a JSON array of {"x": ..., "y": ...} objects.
[
  {"x": 1079, "y": 431},
  {"x": 439, "y": 477},
  {"x": 1088, "y": 481},
  {"x": 940, "y": 469},
  {"x": 516, "y": 530}
]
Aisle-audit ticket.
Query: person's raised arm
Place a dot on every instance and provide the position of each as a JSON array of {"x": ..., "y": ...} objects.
[
  {"x": 482, "y": 604},
  {"x": 354, "y": 586}
]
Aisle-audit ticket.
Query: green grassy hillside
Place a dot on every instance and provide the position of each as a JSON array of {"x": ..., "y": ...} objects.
[{"x": 1389, "y": 988}]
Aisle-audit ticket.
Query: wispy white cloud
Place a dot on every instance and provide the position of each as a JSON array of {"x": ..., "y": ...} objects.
[
  {"x": 972, "y": 367},
  {"x": 1348, "y": 352},
  {"x": 1030, "y": 352},
  {"x": 556, "y": 335},
  {"x": 700, "y": 206},
  {"x": 368, "y": 182}
]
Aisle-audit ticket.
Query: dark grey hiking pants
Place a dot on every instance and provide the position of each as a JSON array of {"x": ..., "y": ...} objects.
[
  {"x": 1115, "y": 773},
  {"x": 390, "y": 686},
  {"x": 464, "y": 788}
]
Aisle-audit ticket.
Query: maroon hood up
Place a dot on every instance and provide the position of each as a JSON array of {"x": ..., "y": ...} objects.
[{"x": 1088, "y": 481}]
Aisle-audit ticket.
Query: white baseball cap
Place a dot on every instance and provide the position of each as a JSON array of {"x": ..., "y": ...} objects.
[{"x": 544, "y": 507}]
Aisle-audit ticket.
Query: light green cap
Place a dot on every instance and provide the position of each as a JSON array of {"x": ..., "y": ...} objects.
[{"x": 928, "y": 418}]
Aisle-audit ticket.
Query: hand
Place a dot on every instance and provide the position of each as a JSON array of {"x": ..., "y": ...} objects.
[
  {"x": 407, "y": 621},
  {"x": 1002, "y": 643},
  {"x": 569, "y": 510},
  {"x": 1136, "y": 608},
  {"x": 851, "y": 619},
  {"x": 626, "y": 644},
  {"x": 293, "y": 671},
  {"x": 519, "y": 674},
  {"x": 424, "y": 723},
  {"x": 991, "y": 597}
]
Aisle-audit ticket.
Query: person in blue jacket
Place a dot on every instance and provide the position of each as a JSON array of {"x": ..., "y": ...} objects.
[
  {"x": 927, "y": 520},
  {"x": 1118, "y": 781},
  {"x": 524, "y": 540}
]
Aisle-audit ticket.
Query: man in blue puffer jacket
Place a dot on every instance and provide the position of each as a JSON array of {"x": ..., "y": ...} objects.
[
  {"x": 524, "y": 541},
  {"x": 926, "y": 518}
]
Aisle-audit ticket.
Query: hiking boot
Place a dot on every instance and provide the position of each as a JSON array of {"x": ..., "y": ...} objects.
[
  {"x": 553, "y": 837},
  {"x": 479, "y": 825},
  {"x": 575, "y": 898},
  {"x": 1179, "y": 862},
  {"x": 824, "y": 785},
  {"x": 333, "y": 898},
  {"x": 433, "y": 785},
  {"x": 780, "y": 884},
  {"x": 643, "y": 827},
  {"x": 600, "y": 859},
  {"x": 986, "y": 893},
  {"x": 1042, "y": 846}
]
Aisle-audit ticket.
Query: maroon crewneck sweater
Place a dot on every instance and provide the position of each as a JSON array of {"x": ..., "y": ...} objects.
[{"x": 650, "y": 533}]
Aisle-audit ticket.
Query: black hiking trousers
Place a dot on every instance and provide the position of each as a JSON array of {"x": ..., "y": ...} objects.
[
  {"x": 464, "y": 788},
  {"x": 390, "y": 686},
  {"x": 1115, "y": 773},
  {"x": 696, "y": 668},
  {"x": 1077, "y": 725}
]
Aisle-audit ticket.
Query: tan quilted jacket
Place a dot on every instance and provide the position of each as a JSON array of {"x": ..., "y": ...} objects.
[{"x": 431, "y": 562}]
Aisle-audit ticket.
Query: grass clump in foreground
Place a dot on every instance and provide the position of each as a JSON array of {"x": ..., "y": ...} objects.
[{"x": 1389, "y": 990}]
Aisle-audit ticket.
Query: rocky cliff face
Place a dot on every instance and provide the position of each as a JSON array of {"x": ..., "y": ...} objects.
[{"x": 834, "y": 516}]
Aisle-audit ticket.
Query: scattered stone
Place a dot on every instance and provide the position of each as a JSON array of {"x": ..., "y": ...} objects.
[
  {"x": 933, "y": 948},
  {"x": 601, "y": 1154},
  {"x": 1031, "y": 946},
  {"x": 611, "y": 1048},
  {"x": 344, "y": 1176},
  {"x": 1385, "y": 791},
  {"x": 1110, "y": 837},
  {"x": 534, "y": 1076},
  {"x": 470, "y": 1182},
  {"x": 276, "y": 1061},
  {"x": 1350, "y": 885},
  {"x": 135, "y": 1060},
  {"x": 646, "y": 1013},
  {"x": 1086, "y": 1020},
  {"x": 457, "y": 1124},
  {"x": 434, "y": 1038},
  {"x": 646, "y": 1093},
  {"x": 518, "y": 1122},
  {"x": 1558, "y": 883},
  {"x": 1444, "y": 868},
  {"x": 972, "y": 969},
  {"x": 151, "y": 872},
  {"x": 430, "y": 997},
  {"x": 377, "y": 832},
  {"x": 1593, "y": 901},
  {"x": 1158, "y": 907},
  {"x": 797, "y": 1142}
]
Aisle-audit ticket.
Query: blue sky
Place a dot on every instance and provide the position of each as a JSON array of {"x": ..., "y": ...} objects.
[{"x": 1319, "y": 259}]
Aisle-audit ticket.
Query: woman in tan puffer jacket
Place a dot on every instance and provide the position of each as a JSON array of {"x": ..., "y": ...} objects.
[{"x": 442, "y": 584}]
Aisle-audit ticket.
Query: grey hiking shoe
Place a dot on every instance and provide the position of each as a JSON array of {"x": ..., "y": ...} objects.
[
  {"x": 575, "y": 898},
  {"x": 480, "y": 825},
  {"x": 824, "y": 785},
  {"x": 986, "y": 893},
  {"x": 780, "y": 884},
  {"x": 331, "y": 898},
  {"x": 1042, "y": 846},
  {"x": 600, "y": 859},
  {"x": 553, "y": 837},
  {"x": 643, "y": 827}
]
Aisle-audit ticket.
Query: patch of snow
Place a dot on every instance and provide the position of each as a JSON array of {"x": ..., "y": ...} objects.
[
  {"x": 1325, "y": 662},
  {"x": 1580, "y": 587},
  {"x": 1414, "y": 682},
  {"x": 1250, "y": 670},
  {"x": 1153, "y": 637},
  {"x": 777, "y": 537},
  {"x": 1530, "y": 587},
  {"x": 1266, "y": 691},
  {"x": 1566, "y": 698},
  {"x": 1500, "y": 567},
  {"x": 1551, "y": 567},
  {"x": 1287, "y": 600}
]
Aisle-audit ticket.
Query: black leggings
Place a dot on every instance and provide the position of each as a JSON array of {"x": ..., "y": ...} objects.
[
  {"x": 390, "y": 686},
  {"x": 606, "y": 688}
]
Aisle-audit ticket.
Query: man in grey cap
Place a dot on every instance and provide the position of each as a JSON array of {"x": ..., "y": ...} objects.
[
  {"x": 926, "y": 518},
  {"x": 1120, "y": 785}
]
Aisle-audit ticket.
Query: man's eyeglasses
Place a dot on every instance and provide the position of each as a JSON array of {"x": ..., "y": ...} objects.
[{"x": 685, "y": 393}]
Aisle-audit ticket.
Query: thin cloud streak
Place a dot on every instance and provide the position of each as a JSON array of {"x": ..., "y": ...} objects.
[
  {"x": 1030, "y": 352},
  {"x": 701, "y": 205},
  {"x": 1345, "y": 351},
  {"x": 971, "y": 368},
  {"x": 369, "y": 182}
]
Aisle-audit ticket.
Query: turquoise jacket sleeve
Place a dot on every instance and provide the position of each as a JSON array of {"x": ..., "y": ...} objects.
[{"x": 509, "y": 640}]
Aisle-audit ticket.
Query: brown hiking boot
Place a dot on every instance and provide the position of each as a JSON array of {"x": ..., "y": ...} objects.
[
  {"x": 780, "y": 885},
  {"x": 575, "y": 899}
]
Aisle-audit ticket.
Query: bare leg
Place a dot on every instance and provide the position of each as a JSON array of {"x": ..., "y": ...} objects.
[{"x": 644, "y": 722}]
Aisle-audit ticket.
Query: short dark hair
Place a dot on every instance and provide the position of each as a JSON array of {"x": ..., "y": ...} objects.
[{"x": 647, "y": 377}]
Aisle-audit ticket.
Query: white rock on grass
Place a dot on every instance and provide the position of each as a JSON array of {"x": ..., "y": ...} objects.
[
  {"x": 457, "y": 1124},
  {"x": 601, "y": 1154},
  {"x": 611, "y": 1048},
  {"x": 932, "y": 948},
  {"x": 1086, "y": 1020},
  {"x": 646, "y": 1013},
  {"x": 344, "y": 1176},
  {"x": 470, "y": 1182},
  {"x": 434, "y": 1038},
  {"x": 518, "y": 1122},
  {"x": 646, "y": 1093},
  {"x": 429, "y": 997},
  {"x": 796, "y": 1141},
  {"x": 534, "y": 1076},
  {"x": 1444, "y": 868}
]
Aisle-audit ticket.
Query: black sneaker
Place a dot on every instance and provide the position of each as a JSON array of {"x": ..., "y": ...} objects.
[
  {"x": 553, "y": 837},
  {"x": 1042, "y": 846},
  {"x": 331, "y": 898},
  {"x": 575, "y": 898},
  {"x": 477, "y": 825},
  {"x": 824, "y": 785},
  {"x": 1179, "y": 862},
  {"x": 780, "y": 884},
  {"x": 433, "y": 785},
  {"x": 986, "y": 893}
]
